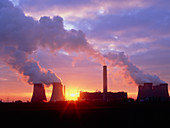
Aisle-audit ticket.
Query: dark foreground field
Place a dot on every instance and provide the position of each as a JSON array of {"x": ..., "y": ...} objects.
[{"x": 85, "y": 114}]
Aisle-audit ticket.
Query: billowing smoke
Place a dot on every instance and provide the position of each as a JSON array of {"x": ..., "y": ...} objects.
[
  {"x": 21, "y": 35},
  {"x": 119, "y": 59}
]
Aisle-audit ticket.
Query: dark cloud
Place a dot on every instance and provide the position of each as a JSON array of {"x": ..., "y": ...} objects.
[
  {"x": 152, "y": 57},
  {"x": 147, "y": 22}
]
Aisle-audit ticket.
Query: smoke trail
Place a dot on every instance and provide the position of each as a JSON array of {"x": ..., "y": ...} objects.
[
  {"x": 21, "y": 35},
  {"x": 121, "y": 60}
]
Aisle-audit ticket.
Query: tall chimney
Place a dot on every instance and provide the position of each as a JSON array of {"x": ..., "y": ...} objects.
[
  {"x": 57, "y": 93},
  {"x": 104, "y": 83},
  {"x": 65, "y": 92},
  {"x": 38, "y": 93}
]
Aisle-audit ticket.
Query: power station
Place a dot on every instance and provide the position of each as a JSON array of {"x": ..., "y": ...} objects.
[{"x": 148, "y": 91}]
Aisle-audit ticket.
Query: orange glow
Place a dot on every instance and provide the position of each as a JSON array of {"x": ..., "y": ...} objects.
[
  {"x": 11, "y": 97},
  {"x": 72, "y": 94}
]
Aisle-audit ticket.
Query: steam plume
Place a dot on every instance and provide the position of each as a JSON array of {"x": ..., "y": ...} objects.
[
  {"x": 121, "y": 60},
  {"x": 21, "y": 35}
]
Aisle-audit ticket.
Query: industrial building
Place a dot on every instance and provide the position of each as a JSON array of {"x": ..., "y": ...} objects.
[
  {"x": 98, "y": 96},
  {"x": 105, "y": 96},
  {"x": 57, "y": 92},
  {"x": 150, "y": 92}
]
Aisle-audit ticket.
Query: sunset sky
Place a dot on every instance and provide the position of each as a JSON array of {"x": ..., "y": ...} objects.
[{"x": 139, "y": 28}]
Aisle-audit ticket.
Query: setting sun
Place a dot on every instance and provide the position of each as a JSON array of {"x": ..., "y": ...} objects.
[{"x": 72, "y": 95}]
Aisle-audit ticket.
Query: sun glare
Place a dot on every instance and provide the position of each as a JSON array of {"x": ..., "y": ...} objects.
[{"x": 72, "y": 95}]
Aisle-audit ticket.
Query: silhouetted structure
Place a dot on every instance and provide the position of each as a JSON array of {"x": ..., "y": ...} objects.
[
  {"x": 57, "y": 93},
  {"x": 64, "y": 91},
  {"x": 98, "y": 96},
  {"x": 38, "y": 93},
  {"x": 150, "y": 92},
  {"x": 105, "y": 96}
]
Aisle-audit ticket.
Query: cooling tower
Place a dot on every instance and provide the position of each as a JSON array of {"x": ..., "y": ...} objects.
[
  {"x": 105, "y": 83},
  {"x": 155, "y": 93},
  {"x": 157, "y": 90},
  {"x": 164, "y": 95},
  {"x": 147, "y": 90},
  {"x": 140, "y": 92},
  {"x": 57, "y": 92},
  {"x": 38, "y": 93}
]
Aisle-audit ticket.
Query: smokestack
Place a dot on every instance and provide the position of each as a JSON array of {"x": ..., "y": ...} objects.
[
  {"x": 105, "y": 83},
  {"x": 64, "y": 92},
  {"x": 38, "y": 93},
  {"x": 57, "y": 93}
]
